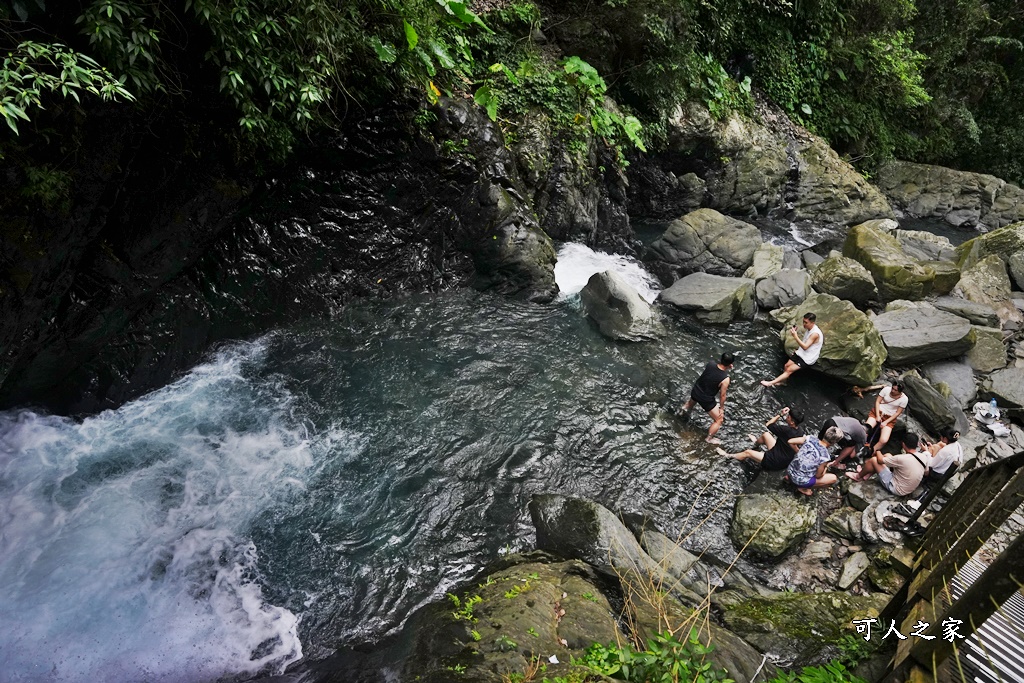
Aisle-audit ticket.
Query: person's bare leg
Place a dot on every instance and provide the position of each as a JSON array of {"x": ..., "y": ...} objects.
[
  {"x": 790, "y": 368},
  {"x": 748, "y": 454},
  {"x": 718, "y": 418},
  {"x": 883, "y": 438},
  {"x": 844, "y": 454},
  {"x": 768, "y": 439}
]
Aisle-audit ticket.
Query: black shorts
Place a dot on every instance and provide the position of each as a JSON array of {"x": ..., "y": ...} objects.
[
  {"x": 703, "y": 403},
  {"x": 799, "y": 361}
]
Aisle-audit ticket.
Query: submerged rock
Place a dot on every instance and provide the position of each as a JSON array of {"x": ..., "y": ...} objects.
[
  {"x": 703, "y": 241},
  {"x": 845, "y": 278},
  {"x": 923, "y": 334},
  {"x": 771, "y": 523},
  {"x": 712, "y": 298},
  {"x": 617, "y": 308},
  {"x": 853, "y": 350}
]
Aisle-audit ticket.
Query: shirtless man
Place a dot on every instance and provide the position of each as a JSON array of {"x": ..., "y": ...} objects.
[{"x": 714, "y": 380}]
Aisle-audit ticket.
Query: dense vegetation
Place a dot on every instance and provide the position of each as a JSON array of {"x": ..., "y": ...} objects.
[{"x": 932, "y": 80}]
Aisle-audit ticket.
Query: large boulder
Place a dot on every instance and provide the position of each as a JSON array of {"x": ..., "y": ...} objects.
[
  {"x": 771, "y": 523},
  {"x": 988, "y": 352},
  {"x": 897, "y": 275},
  {"x": 923, "y": 334},
  {"x": 703, "y": 241},
  {"x": 617, "y": 308},
  {"x": 925, "y": 246},
  {"x": 845, "y": 278},
  {"x": 986, "y": 282},
  {"x": 853, "y": 350},
  {"x": 979, "y": 314},
  {"x": 783, "y": 288},
  {"x": 957, "y": 197},
  {"x": 947, "y": 274},
  {"x": 934, "y": 411},
  {"x": 712, "y": 298},
  {"x": 1007, "y": 386},
  {"x": 953, "y": 379},
  {"x": 1003, "y": 243},
  {"x": 768, "y": 260},
  {"x": 828, "y": 188},
  {"x": 800, "y": 629}
]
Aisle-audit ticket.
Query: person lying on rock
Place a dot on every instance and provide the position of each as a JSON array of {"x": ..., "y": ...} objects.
[
  {"x": 889, "y": 405},
  {"x": 899, "y": 474},
  {"x": 806, "y": 355},
  {"x": 781, "y": 428},
  {"x": 714, "y": 380},
  {"x": 807, "y": 471},
  {"x": 855, "y": 435}
]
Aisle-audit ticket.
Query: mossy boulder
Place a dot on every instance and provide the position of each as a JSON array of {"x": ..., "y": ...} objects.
[
  {"x": 703, "y": 241},
  {"x": 845, "y": 278},
  {"x": 988, "y": 352},
  {"x": 853, "y": 350},
  {"x": 897, "y": 275},
  {"x": 1003, "y": 243},
  {"x": 800, "y": 629},
  {"x": 986, "y": 282},
  {"x": 947, "y": 274},
  {"x": 934, "y": 411},
  {"x": 769, "y": 524},
  {"x": 712, "y": 298},
  {"x": 768, "y": 260}
]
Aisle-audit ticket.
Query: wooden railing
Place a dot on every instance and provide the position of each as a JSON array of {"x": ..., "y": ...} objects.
[{"x": 981, "y": 504}]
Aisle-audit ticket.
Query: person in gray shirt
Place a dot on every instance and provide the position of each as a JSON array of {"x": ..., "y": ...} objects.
[{"x": 855, "y": 435}]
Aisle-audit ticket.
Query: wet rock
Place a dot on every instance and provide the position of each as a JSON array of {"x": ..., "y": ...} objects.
[
  {"x": 846, "y": 279},
  {"x": 925, "y": 246},
  {"x": 958, "y": 197},
  {"x": 863, "y": 494},
  {"x": 956, "y": 377},
  {"x": 1007, "y": 386},
  {"x": 934, "y": 411},
  {"x": 919, "y": 336},
  {"x": 979, "y": 314},
  {"x": 768, "y": 260},
  {"x": 772, "y": 523},
  {"x": 1003, "y": 243},
  {"x": 703, "y": 241},
  {"x": 712, "y": 298},
  {"x": 989, "y": 351},
  {"x": 844, "y": 523},
  {"x": 800, "y": 628},
  {"x": 783, "y": 288},
  {"x": 897, "y": 275},
  {"x": 853, "y": 350},
  {"x": 853, "y": 567},
  {"x": 617, "y": 308},
  {"x": 986, "y": 282}
]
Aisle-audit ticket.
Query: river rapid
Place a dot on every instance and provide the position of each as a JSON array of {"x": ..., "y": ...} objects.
[{"x": 308, "y": 490}]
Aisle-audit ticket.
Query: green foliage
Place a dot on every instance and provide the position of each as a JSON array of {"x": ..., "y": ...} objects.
[
  {"x": 853, "y": 650},
  {"x": 589, "y": 596},
  {"x": 33, "y": 70},
  {"x": 666, "y": 660},
  {"x": 505, "y": 644},
  {"x": 833, "y": 672},
  {"x": 464, "y": 606}
]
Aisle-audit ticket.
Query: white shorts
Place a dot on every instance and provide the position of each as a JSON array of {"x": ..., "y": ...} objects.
[{"x": 885, "y": 477}]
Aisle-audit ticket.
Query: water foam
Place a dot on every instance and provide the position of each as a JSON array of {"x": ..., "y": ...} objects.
[
  {"x": 124, "y": 548},
  {"x": 578, "y": 262}
]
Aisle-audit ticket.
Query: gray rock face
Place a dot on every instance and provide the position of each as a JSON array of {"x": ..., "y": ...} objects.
[
  {"x": 712, "y": 298},
  {"x": 846, "y": 279},
  {"x": 934, "y": 411},
  {"x": 768, "y": 260},
  {"x": 959, "y": 198},
  {"x": 1007, "y": 386},
  {"x": 853, "y": 567},
  {"x": 989, "y": 351},
  {"x": 783, "y": 288},
  {"x": 979, "y": 314},
  {"x": 919, "y": 336},
  {"x": 703, "y": 241},
  {"x": 986, "y": 282},
  {"x": 956, "y": 377},
  {"x": 620, "y": 313},
  {"x": 785, "y": 521},
  {"x": 924, "y": 246}
]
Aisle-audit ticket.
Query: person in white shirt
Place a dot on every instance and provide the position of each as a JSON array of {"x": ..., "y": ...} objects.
[
  {"x": 806, "y": 355},
  {"x": 889, "y": 405},
  {"x": 944, "y": 453}
]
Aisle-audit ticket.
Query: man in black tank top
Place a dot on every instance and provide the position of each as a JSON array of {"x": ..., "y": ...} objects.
[{"x": 712, "y": 383}]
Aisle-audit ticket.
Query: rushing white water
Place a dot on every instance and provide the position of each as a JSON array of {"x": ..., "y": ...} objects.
[
  {"x": 578, "y": 262},
  {"x": 124, "y": 548}
]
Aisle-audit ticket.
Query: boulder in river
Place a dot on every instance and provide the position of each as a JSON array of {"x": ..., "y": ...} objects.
[
  {"x": 845, "y": 278},
  {"x": 1007, "y": 386},
  {"x": 923, "y": 334},
  {"x": 783, "y": 288},
  {"x": 953, "y": 379},
  {"x": 853, "y": 350},
  {"x": 986, "y": 282},
  {"x": 771, "y": 523},
  {"x": 897, "y": 275},
  {"x": 712, "y": 298},
  {"x": 703, "y": 241},
  {"x": 617, "y": 308},
  {"x": 989, "y": 351}
]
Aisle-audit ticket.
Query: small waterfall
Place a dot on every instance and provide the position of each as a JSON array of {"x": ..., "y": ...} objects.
[{"x": 578, "y": 262}]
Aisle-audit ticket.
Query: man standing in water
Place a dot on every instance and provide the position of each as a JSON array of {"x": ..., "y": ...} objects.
[
  {"x": 714, "y": 380},
  {"x": 806, "y": 355}
]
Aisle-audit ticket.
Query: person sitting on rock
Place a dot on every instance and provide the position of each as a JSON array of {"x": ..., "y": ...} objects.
[
  {"x": 714, "y": 380},
  {"x": 899, "y": 474},
  {"x": 806, "y": 355},
  {"x": 807, "y": 470},
  {"x": 855, "y": 435},
  {"x": 889, "y": 405},
  {"x": 943, "y": 455},
  {"x": 781, "y": 428}
]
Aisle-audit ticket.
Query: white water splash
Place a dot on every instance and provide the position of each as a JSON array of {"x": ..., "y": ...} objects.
[
  {"x": 578, "y": 262},
  {"x": 124, "y": 548}
]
